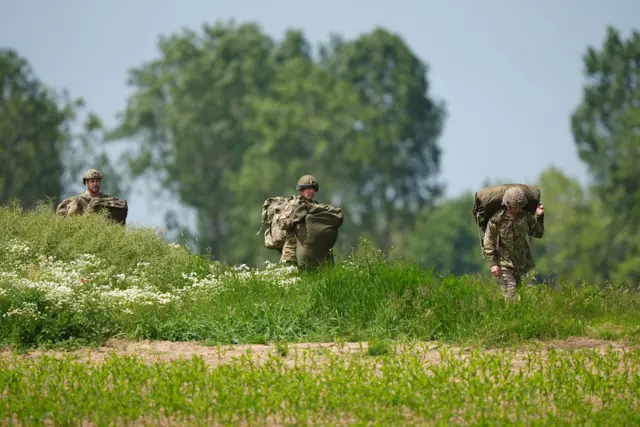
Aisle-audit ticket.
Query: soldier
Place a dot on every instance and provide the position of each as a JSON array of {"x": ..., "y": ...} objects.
[
  {"x": 307, "y": 187},
  {"x": 77, "y": 205},
  {"x": 505, "y": 240}
]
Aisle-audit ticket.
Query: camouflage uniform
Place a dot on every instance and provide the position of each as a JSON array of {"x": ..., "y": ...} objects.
[
  {"x": 505, "y": 241},
  {"x": 78, "y": 204},
  {"x": 287, "y": 223}
]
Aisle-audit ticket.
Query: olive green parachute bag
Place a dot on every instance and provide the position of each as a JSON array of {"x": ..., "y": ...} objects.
[
  {"x": 317, "y": 233},
  {"x": 489, "y": 200},
  {"x": 117, "y": 209}
]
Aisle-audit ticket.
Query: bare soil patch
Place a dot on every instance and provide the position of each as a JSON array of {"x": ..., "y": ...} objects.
[{"x": 168, "y": 351}]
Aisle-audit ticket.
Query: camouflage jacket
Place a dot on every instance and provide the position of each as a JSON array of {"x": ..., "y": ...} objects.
[
  {"x": 505, "y": 240},
  {"x": 78, "y": 204},
  {"x": 294, "y": 213}
]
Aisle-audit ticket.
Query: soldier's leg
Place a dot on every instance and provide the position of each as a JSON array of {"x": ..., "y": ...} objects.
[
  {"x": 509, "y": 283},
  {"x": 288, "y": 255}
]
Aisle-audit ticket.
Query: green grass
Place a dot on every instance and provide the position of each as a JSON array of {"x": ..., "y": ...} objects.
[
  {"x": 582, "y": 387},
  {"x": 80, "y": 281}
]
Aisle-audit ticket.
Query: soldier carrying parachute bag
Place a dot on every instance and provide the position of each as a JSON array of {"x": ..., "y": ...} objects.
[
  {"x": 510, "y": 216},
  {"x": 93, "y": 200},
  {"x": 489, "y": 200},
  {"x": 301, "y": 229}
]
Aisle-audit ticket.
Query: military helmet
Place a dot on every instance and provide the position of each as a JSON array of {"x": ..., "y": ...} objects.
[
  {"x": 91, "y": 174},
  {"x": 307, "y": 181},
  {"x": 514, "y": 197}
]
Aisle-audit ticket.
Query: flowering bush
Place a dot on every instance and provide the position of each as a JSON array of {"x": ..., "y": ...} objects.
[{"x": 34, "y": 285}]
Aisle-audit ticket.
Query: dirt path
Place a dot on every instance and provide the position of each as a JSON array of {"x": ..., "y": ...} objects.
[{"x": 166, "y": 351}]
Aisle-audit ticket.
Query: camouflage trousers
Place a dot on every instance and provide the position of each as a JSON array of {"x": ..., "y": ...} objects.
[
  {"x": 509, "y": 282},
  {"x": 288, "y": 254}
]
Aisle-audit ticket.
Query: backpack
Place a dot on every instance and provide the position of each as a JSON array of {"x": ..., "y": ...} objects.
[
  {"x": 318, "y": 233},
  {"x": 489, "y": 200},
  {"x": 272, "y": 210}
]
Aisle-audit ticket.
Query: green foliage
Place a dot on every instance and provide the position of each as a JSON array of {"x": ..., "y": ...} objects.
[
  {"x": 87, "y": 150},
  {"x": 447, "y": 239},
  {"x": 228, "y": 117},
  {"x": 395, "y": 161},
  {"x": 574, "y": 247},
  {"x": 42, "y": 157},
  {"x": 605, "y": 129},
  {"x": 34, "y": 133}
]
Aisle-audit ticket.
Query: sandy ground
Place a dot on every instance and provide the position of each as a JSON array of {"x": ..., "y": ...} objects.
[{"x": 167, "y": 351}]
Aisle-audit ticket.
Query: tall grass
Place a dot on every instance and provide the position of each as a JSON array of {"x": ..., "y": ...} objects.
[{"x": 82, "y": 280}]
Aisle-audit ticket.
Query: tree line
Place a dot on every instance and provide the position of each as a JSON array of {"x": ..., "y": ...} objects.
[{"x": 227, "y": 116}]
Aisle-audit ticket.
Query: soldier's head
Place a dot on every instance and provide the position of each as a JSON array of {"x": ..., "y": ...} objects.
[
  {"x": 307, "y": 186},
  {"x": 514, "y": 199},
  {"x": 92, "y": 179}
]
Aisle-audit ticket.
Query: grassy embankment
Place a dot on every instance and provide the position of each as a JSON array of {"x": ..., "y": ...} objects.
[{"x": 81, "y": 281}]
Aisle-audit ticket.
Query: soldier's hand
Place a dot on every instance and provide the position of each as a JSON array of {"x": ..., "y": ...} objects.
[
  {"x": 540, "y": 210},
  {"x": 495, "y": 271}
]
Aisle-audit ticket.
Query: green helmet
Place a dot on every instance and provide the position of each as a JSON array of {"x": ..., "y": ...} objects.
[
  {"x": 91, "y": 174},
  {"x": 307, "y": 181},
  {"x": 514, "y": 197}
]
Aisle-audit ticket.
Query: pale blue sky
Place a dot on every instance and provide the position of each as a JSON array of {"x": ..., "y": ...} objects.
[{"x": 509, "y": 71}]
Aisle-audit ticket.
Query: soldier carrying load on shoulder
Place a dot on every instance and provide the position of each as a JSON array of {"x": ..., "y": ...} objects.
[
  {"x": 505, "y": 240},
  {"x": 307, "y": 188}
]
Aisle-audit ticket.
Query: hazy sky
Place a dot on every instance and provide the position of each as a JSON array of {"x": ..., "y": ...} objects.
[{"x": 510, "y": 71}]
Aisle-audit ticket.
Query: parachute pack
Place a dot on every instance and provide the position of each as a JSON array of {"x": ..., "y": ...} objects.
[
  {"x": 117, "y": 209},
  {"x": 488, "y": 201},
  {"x": 272, "y": 210},
  {"x": 318, "y": 233}
]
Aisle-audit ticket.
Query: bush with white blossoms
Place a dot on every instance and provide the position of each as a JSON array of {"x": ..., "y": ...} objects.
[{"x": 35, "y": 286}]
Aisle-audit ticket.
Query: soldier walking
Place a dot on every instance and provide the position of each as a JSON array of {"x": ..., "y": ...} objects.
[{"x": 505, "y": 240}]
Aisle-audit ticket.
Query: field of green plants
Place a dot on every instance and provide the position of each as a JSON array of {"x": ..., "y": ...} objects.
[{"x": 80, "y": 282}]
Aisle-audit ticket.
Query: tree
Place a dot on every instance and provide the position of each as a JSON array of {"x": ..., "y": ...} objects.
[
  {"x": 189, "y": 114},
  {"x": 34, "y": 133},
  {"x": 302, "y": 123},
  {"x": 573, "y": 246},
  {"x": 395, "y": 162},
  {"x": 446, "y": 238},
  {"x": 227, "y": 118},
  {"x": 87, "y": 150},
  {"x": 605, "y": 129}
]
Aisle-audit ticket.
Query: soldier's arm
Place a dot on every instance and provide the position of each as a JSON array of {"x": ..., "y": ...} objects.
[
  {"x": 61, "y": 209},
  {"x": 76, "y": 206},
  {"x": 489, "y": 243},
  {"x": 293, "y": 214},
  {"x": 536, "y": 226}
]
